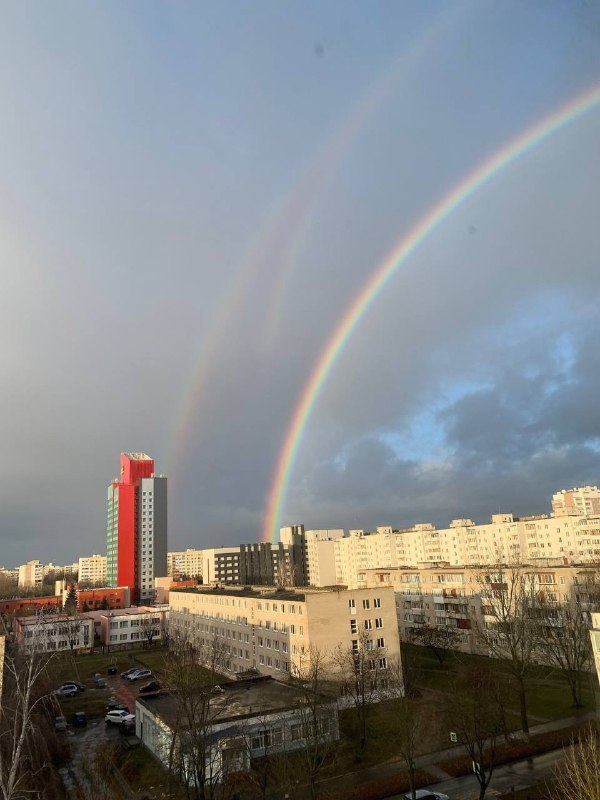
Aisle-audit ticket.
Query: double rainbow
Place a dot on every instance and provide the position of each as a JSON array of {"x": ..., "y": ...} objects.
[{"x": 483, "y": 173}]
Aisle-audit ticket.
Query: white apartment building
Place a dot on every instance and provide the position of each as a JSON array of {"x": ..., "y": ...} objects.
[
  {"x": 276, "y": 631},
  {"x": 570, "y": 537},
  {"x": 92, "y": 569},
  {"x": 320, "y": 556},
  {"x": 56, "y": 632},
  {"x": 136, "y": 625},
  {"x": 185, "y": 562},
  {"x": 31, "y": 575}
]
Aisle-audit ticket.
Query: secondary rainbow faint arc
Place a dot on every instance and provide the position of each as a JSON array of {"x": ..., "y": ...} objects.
[{"x": 385, "y": 271}]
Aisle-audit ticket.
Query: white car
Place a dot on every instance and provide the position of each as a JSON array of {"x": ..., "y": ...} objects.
[
  {"x": 118, "y": 717},
  {"x": 425, "y": 794}
]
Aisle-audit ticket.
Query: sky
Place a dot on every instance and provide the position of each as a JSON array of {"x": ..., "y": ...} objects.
[{"x": 193, "y": 194}]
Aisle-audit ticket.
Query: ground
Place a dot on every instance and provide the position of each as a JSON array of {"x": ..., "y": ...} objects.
[{"x": 548, "y": 699}]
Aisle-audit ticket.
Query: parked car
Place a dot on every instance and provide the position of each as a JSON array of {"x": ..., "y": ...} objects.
[
  {"x": 60, "y": 724},
  {"x": 139, "y": 674},
  {"x": 151, "y": 689},
  {"x": 80, "y": 686},
  {"x": 129, "y": 672},
  {"x": 79, "y": 719},
  {"x": 425, "y": 794},
  {"x": 116, "y": 705},
  {"x": 117, "y": 717},
  {"x": 67, "y": 690}
]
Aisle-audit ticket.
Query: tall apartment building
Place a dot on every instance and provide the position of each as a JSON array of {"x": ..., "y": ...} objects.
[
  {"x": 584, "y": 500},
  {"x": 313, "y": 553},
  {"x": 92, "y": 569},
  {"x": 275, "y": 632},
  {"x": 31, "y": 575},
  {"x": 136, "y": 532},
  {"x": 186, "y": 563}
]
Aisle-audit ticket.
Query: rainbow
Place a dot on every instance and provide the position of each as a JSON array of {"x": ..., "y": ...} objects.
[
  {"x": 284, "y": 231},
  {"x": 483, "y": 173}
]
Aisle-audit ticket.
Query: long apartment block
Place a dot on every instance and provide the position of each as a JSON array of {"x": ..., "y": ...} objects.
[
  {"x": 277, "y": 632},
  {"x": 444, "y": 596}
]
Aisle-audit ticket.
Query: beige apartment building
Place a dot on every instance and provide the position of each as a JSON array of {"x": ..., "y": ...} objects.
[
  {"x": 92, "y": 569},
  {"x": 319, "y": 552},
  {"x": 185, "y": 562},
  {"x": 595, "y": 634},
  {"x": 441, "y": 595},
  {"x": 583, "y": 500},
  {"x": 275, "y": 632},
  {"x": 31, "y": 575}
]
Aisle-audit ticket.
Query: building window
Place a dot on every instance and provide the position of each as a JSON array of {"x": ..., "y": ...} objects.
[
  {"x": 368, "y": 624},
  {"x": 377, "y": 602},
  {"x": 353, "y": 626},
  {"x": 379, "y": 622},
  {"x": 365, "y": 604}
]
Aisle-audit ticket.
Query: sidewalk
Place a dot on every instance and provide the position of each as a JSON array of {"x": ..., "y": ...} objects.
[{"x": 431, "y": 761}]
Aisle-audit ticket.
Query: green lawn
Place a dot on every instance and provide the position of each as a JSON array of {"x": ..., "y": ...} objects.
[{"x": 548, "y": 695}]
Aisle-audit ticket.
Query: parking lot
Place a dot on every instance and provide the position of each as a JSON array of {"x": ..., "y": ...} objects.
[{"x": 79, "y": 779}]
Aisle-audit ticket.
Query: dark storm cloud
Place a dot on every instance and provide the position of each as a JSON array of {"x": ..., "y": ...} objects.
[{"x": 186, "y": 187}]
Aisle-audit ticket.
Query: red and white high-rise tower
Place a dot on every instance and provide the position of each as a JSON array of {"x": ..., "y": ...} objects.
[{"x": 136, "y": 527}]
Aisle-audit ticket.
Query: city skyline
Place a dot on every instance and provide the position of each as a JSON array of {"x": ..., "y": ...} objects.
[{"x": 194, "y": 199}]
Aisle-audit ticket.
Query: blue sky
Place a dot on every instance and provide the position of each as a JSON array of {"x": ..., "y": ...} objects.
[{"x": 191, "y": 194}]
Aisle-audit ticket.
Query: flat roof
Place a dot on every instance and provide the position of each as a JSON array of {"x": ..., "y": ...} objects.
[
  {"x": 244, "y": 591},
  {"x": 242, "y": 699}
]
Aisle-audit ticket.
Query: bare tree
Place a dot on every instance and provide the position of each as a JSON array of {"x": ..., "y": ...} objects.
[
  {"x": 22, "y": 764},
  {"x": 317, "y": 729},
  {"x": 578, "y": 775},
  {"x": 264, "y": 743},
  {"x": 475, "y": 711},
  {"x": 364, "y": 675},
  {"x": 438, "y": 639},
  {"x": 150, "y": 628},
  {"x": 75, "y": 628},
  {"x": 509, "y": 629},
  {"x": 565, "y": 641},
  {"x": 192, "y": 674}
]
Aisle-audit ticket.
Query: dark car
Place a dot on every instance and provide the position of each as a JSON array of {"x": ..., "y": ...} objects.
[
  {"x": 112, "y": 670},
  {"x": 151, "y": 689},
  {"x": 79, "y": 719},
  {"x": 116, "y": 705},
  {"x": 80, "y": 686}
]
